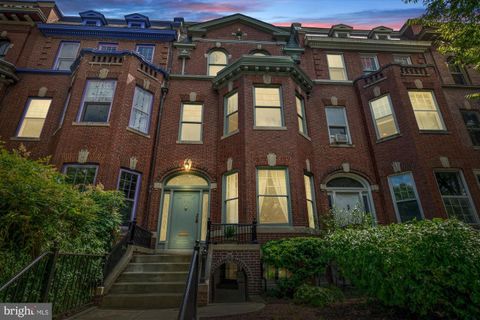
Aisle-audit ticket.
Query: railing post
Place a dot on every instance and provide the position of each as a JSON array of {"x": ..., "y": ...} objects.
[
  {"x": 131, "y": 230},
  {"x": 254, "y": 230},
  {"x": 49, "y": 274}
]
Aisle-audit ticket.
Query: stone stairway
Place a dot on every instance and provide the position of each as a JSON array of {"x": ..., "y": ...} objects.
[{"x": 150, "y": 282}]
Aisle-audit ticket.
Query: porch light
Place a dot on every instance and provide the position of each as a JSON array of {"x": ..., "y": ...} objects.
[{"x": 187, "y": 164}]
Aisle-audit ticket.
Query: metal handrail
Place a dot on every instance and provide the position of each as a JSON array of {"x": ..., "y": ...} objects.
[
  {"x": 240, "y": 233},
  {"x": 27, "y": 268},
  {"x": 188, "y": 308}
]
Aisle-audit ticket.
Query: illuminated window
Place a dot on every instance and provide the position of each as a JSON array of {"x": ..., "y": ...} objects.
[{"x": 217, "y": 60}]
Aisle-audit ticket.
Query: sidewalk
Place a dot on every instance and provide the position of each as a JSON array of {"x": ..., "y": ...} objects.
[{"x": 212, "y": 310}]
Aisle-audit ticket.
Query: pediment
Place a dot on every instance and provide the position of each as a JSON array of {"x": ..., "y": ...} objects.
[{"x": 201, "y": 29}]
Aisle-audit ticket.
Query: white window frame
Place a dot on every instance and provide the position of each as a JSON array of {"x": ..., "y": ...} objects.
[
  {"x": 282, "y": 117},
  {"x": 133, "y": 214},
  {"x": 379, "y": 137},
  {"x": 344, "y": 69},
  {"x": 192, "y": 122},
  {"x": 226, "y": 200},
  {"x": 347, "y": 126},
  {"x": 375, "y": 59},
  {"x": 302, "y": 117},
  {"x": 132, "y": 112},
  {"x": 288, "y": 195},
  {"x": 467, "y": 191},
  {"x": 407, "y": 56},
  {"x": 395, "y": 201},
  {"x": 311, "y": 183},
  {"x": 25, "y": 111},
  {"x": 146, "y": 46},
  {"x": 226, "y": 129},
  {"x": 437, "y": 109},
  {"x": 82, "y": 105},
  {"x": 103, "y": 45},
  {"x": 56, "y": 65}
]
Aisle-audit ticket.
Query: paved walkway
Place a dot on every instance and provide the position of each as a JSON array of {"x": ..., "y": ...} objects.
[{"x": 212, "y": 310}]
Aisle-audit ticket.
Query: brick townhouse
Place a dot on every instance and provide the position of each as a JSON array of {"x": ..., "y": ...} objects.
[{"x": 239, "y": 121}]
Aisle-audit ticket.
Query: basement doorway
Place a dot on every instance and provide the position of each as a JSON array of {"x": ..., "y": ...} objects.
[{"x": 229, "y": 284}]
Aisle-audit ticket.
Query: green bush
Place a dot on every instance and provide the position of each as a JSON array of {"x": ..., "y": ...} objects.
[
  {"x": 317, "y": 296},
  {"x": 38, "y": 208},
  {"x": 424, "y": 267}
]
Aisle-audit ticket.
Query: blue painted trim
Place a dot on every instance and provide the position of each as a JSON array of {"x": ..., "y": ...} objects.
[
  {"x": 116, "y": 53},
  {"x": 50, "y": 29},
  {"x": 43, "y": 71}
]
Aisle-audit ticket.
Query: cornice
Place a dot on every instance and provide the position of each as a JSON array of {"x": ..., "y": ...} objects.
[
  {"x": 7, "y": 72},
  {"x": 54, "y": 29},
  {"x": 276, "y": 65},
  {"x": 366, "y": 44}
]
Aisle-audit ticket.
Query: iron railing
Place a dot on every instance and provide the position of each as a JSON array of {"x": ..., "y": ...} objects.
[
  {"x": 239, "y": 233},
  {"x": 68, "y": 280},
  {"x": 188, "y": 308}
]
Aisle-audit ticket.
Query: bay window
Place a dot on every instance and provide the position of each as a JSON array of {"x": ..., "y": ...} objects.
[{"x": 383, "y": 117}]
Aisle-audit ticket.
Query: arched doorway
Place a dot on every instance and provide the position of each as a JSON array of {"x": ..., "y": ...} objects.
[
  {"x": 347, "y": 192},
  {"x": 229, "y": 283},
  {"x": 184, "y": 211}
]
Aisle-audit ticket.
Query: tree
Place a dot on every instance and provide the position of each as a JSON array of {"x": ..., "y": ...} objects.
[{"x": 457, "y": 23}]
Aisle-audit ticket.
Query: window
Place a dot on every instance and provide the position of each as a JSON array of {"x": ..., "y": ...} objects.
[
  {"x": 458, "y": 73},
  {"x": 64, "y": 111},
  {"x": 369, "y": 63},
  {"x": 146, "y": 51},
  {"x": 110, "y": 47},
  {"x": 259, "y": 53},
  {"x": 426, "y": 110},
  {"x": 268, "y": 107},
  {"x": 383, "y": 117},
  {"x": 382, "y": 36},
  {"x": 129, "y": 185},
  {"x": 472, "y": 122},
  {"x": 342, "y": 34},
  {"x": 310, "y": 196},
  {"x": 302, "y": 120},
  {"x": 141, "y": 110},
  {"x": 231, "y": 198},
  {"x": 217, "y": 60},
  {"x": 347, "y": 194},
  {"x": 95, "y": 23},
  {"x": 97, "y": 100},
  {"x": 191, "y": 123},
  {"x": 66, "y": 55},
  {"x": 4, "y": 46},
  {"x": 140, "y": 25},
  {"x": 455, "y": 196},
  {"x": 272, "y": 196},
  {"x": 405, "y": 197},
  {"x": 402, "y": 59},
  {"x": 34, "y": 118},
  {"x": 336, "y": 67},
  {"x": 231, "y": 114},
  {"x": 337, "y": 125},
  {"x": 80, "y": 175}
]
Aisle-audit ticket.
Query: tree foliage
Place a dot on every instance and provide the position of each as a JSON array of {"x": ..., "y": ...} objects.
[{"x": 38, "y": 208}]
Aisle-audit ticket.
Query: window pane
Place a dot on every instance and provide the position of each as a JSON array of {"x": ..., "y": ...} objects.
[
  {"x": 231, "y": 184},
  {"x": 164, "y": 223},
  {"x": 69, "y": 50},
  {"x": 381, "y": 107},
  {"x": 32, "y": 124},
  {"x": 311, "y": 213},
  {"x": 213, "y": 70},
  {"x": 335, "y": 61},
  {"x": 140, "y": 117},
  {"x": 273, "y": 209},
  {"x": 187, "y": 180},
  {"x": 192, "y": 112},
  {"x": 336, "y": 116},
  {"x": 64, "y": 64},
  {"x": 301, "y": 126},
  {"x": 95, "y": 112},
  {"x": 383, "y": 117},
  {"x": 272, "y": 182},
  {"x": 337, "y": 74},
  {"x": 232, "y": 122},
  {"x": 426, "y": 111},
  {"x": 268, "y": 117},
  {"x": 191, "y": 132},
  {"x": 146, "y": 52},
  {"x": 269, "y": 97},
  {"x": 205, "y": 215},
  {"x": 231, "y": 214},
  {"x": 450, "y": 184},
  {"x": 472, "y": 122},
  {"x": 217, "y": 57},
  {"x": 100, "y": 91},
  {"x": 298, "y": 104},
  {"x": 80, "y": 175},
  {"x": 344, "y": 182},
  {"x": 369, "y": 63},
  {"x": 404, "y": 196},
  {"x": 232, "y": 103},
  {"x": 428, "y": 120},
  {"x": 308, "y": 187},
  {"x": 422, "y": 100},
  {"x": 409, "y": 210},
  {"x": 386, "y": 126}
]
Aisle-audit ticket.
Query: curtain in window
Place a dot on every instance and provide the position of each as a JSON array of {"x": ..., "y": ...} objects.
[
  {"x": 273, "y": 196},
  {"x": 100, "y": 91}
]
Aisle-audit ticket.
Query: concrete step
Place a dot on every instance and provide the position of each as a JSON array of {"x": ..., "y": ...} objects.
[
  {"x": 172, "y": 276},
  {"x": 161, "y": 258},
  {"x": 142, "y": 301},
  {"x": 148, "y": 287},
  {"x": 157, "y": 267}
]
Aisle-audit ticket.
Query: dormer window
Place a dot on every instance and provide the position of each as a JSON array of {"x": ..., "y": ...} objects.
[
  {"x": 94, "y": 23},
  {"x": 342, "y": 34},
  {"x": 93, "y": 18},
  {"x": 382, "y": 36},
  {"x": 139, "y": 25}
]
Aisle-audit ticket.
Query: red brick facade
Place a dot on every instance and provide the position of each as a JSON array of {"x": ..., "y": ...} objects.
[{"x": 158, "y": 153}]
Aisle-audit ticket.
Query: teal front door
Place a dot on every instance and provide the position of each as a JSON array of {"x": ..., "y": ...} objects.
[{"x": 184, "y": 219}]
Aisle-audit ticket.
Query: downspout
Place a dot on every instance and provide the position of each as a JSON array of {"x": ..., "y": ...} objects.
[{"x": 153, "y": 159}]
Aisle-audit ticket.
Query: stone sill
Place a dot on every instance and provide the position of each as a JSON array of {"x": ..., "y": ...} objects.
[
  {"x": 270, "y": 128},
  {"x": 395, "y": 136},
  {"x": 189, "y": 142},
  {"x": 91, "y": 124},
  {"x": 25, "y": 139},
  {"x": 335, "y": 82},
  {"x": 138, "y": 132},
  {"x": 433, "y": 132},
  {"x": 230, "y": 134},
  {"x": 342, "y": 145}
]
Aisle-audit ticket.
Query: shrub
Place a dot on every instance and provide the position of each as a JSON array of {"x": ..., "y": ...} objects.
[{"x": 317, "y": 296}]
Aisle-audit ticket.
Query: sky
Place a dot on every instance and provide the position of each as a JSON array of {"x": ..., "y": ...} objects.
[{"x": 360, "y": 14}]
